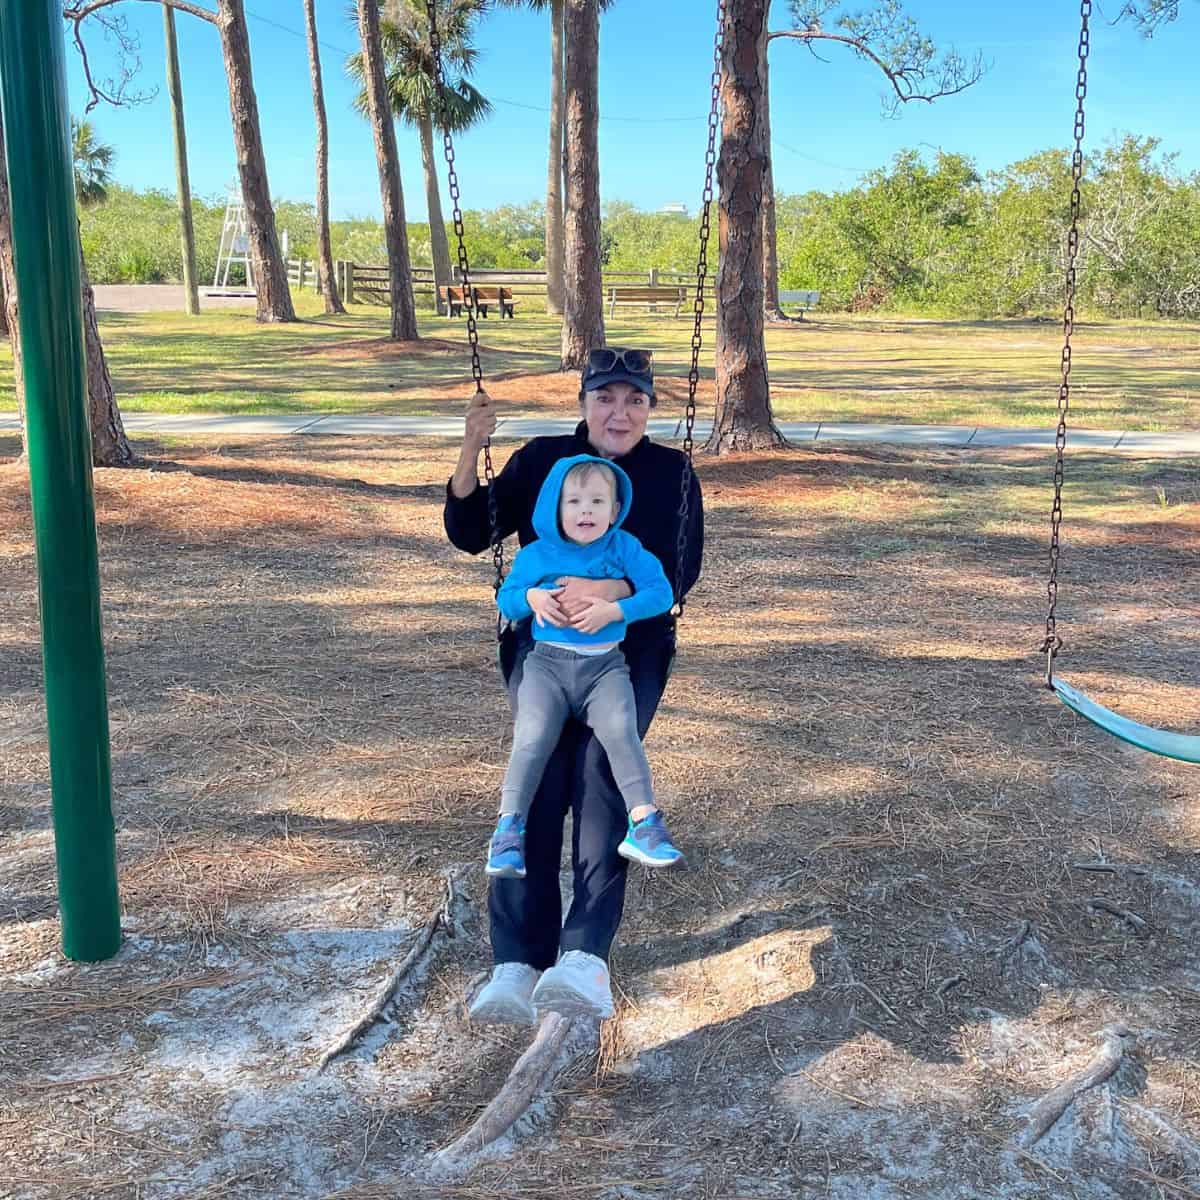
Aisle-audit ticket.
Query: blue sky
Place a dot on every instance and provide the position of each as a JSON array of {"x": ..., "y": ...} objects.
[{"x": 655, "y": 61}]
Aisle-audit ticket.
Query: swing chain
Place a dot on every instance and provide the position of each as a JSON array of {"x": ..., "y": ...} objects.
[
  {"x": 1053, "y": 643},
  {"x": 464, "y": 270},
  {"x": 710, "y": 161}
]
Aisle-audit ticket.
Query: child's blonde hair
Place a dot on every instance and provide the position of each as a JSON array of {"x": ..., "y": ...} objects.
[{"x": 580, "y": 473}]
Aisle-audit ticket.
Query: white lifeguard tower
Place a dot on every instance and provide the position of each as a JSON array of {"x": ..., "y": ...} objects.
[{"x": 234, "y": 249}]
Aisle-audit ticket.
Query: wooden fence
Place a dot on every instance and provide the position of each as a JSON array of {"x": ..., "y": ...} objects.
[{"x": 363, "y": 283}]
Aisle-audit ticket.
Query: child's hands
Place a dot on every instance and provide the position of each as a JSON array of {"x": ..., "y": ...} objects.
[
  {"x": 577, "y": 592},
  {"x": 595, "y": 615},
  {"x": 546, "y": 609}
]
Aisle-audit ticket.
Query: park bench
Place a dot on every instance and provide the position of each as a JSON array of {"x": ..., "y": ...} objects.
[
  {"x": 804, "y": 301},
  {"x": 647, "y": 296},
  {"x": 485, "y": 297},
  {"x": 502, "y": 296},
  {"x": 453, "y": 299}
]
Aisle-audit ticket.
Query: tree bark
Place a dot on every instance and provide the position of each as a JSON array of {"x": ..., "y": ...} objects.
[
  {"x": 771, "y": 306},
  {"x": 8, "y": 284},
  {"x": 270, "y": 271},
  {"x": 555, "y": 233},
  {"x": 326, "y": 279},
  {"x": 187, "y": 235},
  {"x": 583, "y": 310},
  {"x": 437, "y": 225},
  {"x": 110, "y": 446},
  {"x": 744, "y": 420},
  {"x": 404, "y": 315}
]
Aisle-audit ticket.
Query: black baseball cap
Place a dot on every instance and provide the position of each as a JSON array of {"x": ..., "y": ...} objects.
[{"x": 616, "y": 364}]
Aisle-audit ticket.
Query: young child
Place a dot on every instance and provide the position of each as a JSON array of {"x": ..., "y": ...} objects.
[{"x": 577, "y": 668}]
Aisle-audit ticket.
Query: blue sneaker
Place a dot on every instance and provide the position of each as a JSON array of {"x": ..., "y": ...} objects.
[
  {"x": 649, "y": 842},
  {"x": 506, "y": 854}
]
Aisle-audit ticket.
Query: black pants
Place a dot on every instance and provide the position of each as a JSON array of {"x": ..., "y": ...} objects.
[{"x": 526, "y": 914}]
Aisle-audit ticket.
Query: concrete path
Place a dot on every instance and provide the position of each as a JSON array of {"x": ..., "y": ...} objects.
[
  {"x": 158, "y": 297},
  {"x": 521, "y": 428}
]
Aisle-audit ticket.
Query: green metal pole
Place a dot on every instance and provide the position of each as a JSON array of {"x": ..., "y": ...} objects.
[{"x": 46, "y": 243}]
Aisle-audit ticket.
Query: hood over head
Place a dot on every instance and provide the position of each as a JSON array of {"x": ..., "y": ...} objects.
[{"x": 545, "y": 512}]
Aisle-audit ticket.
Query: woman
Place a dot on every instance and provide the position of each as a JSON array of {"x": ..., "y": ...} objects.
[{"x": 541, "y": 961}]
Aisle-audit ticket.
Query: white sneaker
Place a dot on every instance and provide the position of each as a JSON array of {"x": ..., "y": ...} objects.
[
  {"x": 576, "y": 986},
  {"x": 504, "y": 999}
]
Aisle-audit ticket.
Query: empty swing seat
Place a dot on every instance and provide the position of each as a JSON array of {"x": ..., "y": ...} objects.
[{"x": 1182, "y": 746}]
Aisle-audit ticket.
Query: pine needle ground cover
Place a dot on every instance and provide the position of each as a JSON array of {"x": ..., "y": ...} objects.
[{"x": 922, "y": 895}]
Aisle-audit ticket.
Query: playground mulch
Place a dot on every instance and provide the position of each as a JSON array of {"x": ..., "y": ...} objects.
[{"x": 919, "y": 891}]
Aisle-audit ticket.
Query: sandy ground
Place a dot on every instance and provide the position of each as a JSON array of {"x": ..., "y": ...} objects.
[{"x": 920, "y": 892}]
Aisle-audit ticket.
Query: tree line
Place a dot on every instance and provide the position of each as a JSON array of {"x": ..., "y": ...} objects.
[
  {"x": 409, "y": 71},
  {"x": 936, "y": 237}
]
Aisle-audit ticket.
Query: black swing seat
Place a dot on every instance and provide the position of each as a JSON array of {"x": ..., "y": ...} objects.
[{"x": 1182, "y": 746}]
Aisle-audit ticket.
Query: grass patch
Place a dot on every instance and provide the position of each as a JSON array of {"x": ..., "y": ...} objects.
[{"x": 1132, "y": 375}]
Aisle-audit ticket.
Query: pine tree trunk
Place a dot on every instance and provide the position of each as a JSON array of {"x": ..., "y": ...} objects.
[
  {"x": 555, "y": 298},
  {"x": 433, "y": 202},
  {"x": 583, "y": 310},
  {"x": 771, "y": 306},
  {"x": 110, "y": 446},
  {"x": 8, "y": 285},
  {"x": 326, "y": 279},
  {"x": 404, "y": 315},
  {"x": 744, "y": 419},
  {"x": 270, "y": 271},
  {"x": 187, "y": 234}
]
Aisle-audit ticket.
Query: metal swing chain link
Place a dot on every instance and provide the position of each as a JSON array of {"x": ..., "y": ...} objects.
[
  {"x": 710, "y": 161},
  {"x": 464, "y": 268},
  {"x": 1053, "y": 643}
]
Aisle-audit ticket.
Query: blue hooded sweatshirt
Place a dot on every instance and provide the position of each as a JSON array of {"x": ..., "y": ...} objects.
[{"x": 614, "y": 555}]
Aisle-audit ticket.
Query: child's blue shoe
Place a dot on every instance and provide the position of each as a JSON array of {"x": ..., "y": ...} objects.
[
  {"x": 649, "y": 842},
  {"x": 506, "y": 854}
]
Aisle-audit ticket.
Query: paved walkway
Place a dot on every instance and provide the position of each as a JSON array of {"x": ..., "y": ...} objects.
[{"x": 520, "y": 428}]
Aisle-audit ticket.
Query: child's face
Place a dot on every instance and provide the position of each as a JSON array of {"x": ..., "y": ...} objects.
[{"x": 587, "y": 508}]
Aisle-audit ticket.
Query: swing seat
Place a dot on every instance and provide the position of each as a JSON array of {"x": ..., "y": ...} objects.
[{"x": 1182, "y": 746}]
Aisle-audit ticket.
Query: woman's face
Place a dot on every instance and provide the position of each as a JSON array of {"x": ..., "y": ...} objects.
[{"x": 616, "y": 418}]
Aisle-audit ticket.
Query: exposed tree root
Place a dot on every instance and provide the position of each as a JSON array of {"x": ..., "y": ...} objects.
[
  {"x": 1100, "y": 904},
  {"x": 1047, "y": 1111},
  {"x": 1015, "y": 942},
  {"x": 1110, "y": 868},
  {"x": 533, "y": 1072},
  {"x": 444, "y": 919}
]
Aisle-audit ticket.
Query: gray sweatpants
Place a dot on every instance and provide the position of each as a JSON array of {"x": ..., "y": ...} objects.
[{"x": 595, "y": 689}]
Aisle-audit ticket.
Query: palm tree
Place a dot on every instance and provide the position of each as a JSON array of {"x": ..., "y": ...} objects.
[
  {"x": 414, "y": 98},
  {"x": 93, "y": 164}
]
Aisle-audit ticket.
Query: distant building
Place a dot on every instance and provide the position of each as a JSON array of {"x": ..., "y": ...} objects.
[{"x": 674, "y": 210}]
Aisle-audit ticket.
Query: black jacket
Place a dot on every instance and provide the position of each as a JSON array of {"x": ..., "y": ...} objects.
[{"x": 655, "y": 471}]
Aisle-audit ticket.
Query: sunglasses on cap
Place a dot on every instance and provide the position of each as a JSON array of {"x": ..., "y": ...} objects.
[{"x": 636, "y": 362}]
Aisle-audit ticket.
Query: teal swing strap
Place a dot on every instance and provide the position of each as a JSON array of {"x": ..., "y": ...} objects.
[
  {"x": 1185, "y": 747},
  {"x": 1169, "y": 745}
]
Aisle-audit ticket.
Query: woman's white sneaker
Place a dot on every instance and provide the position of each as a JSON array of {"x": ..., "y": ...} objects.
[
  {"x": 505, "y": 998},
  {"x": 577, "y": 985}
]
